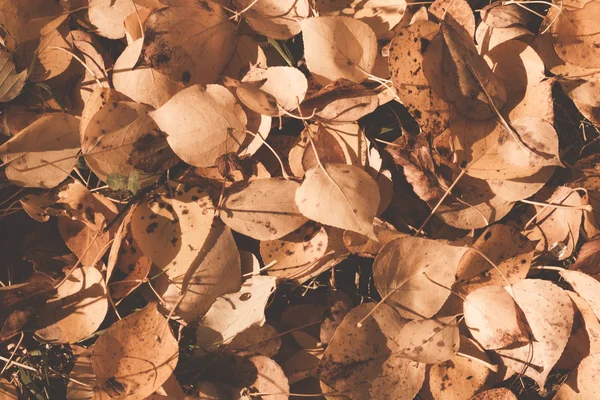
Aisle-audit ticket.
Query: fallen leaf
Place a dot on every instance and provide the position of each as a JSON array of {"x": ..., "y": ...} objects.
[
  {"x": 495, "y": 394},
  {"x": 575, "y": 35},
  {"x": 362, "y": 362},
  {"x": 43, "y": 154},
  {"x": 263, "y": 340},
  {"x": 494, "y": 319},
  {"x": 108, "y": 16},
  {"x": 78, "y": 309},
  {"x": 429, "y": 341},
  {"x": 343, "y": 196},
  {"x": 349, "y": 54},
  {"x": 247, "y": 53},
  {"x": 549, "y": 315},
  {"x": 191, "y": 44},
  {"x": 586, "y": 286},
  {"x": 263, "y": 209},
  {"x": 11, "y": 82},
  {"x": 408, "y": 67},
  {"x": 232, "y": 313},
  {"x": 276, "y": 19},
  {"x": 207, "y": 118},
  {"x": 422, "y": 269},
  {"x": 142, "y": 83},
  {"x": 135, "y": 355}
]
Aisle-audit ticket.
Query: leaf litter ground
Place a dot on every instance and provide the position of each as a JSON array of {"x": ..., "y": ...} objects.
[{"x": 260, "y": 199}]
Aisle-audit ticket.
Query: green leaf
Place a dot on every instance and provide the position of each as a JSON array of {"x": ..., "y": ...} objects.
[
  {"x": 133, "y": 183},
  {"x": 117, "y": 181}
]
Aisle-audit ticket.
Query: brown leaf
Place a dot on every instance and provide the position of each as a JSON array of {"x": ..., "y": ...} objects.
[
  {"x": 202, "y": 123},
  {"x": 549, "y": 315},
  {"x": 582, "y": 383},
  {"x": 421, "y": 268},
  {"x": 277, "y": 19},
  {"x": 232, "y": 313},
  {"x": 191, "y": 44},
  {"x": 342, "y": 196},
  {"x": 429, "y": 341},
  {"x": 586, "y": 286},
  {"x": 495, "y": 394},
  {"x": 263, "y": 340},
  {"x": 135, "y": 355},
  {"x": 11, "y": 82},
  {"x": 494, "y": 319},
  {"x": 350, "y": 53},
  {"x": 575, "y": 35},
  {"x": 361, "y": 362},
  {"x": 264, "y": 209},
  {"x": 43, "y": 154},
  {"x": 78, "y": 309}
]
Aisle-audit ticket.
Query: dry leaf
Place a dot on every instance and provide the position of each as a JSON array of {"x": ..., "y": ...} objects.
[
  {"x": 232, "y": 313},
  {"x": 408, "y": 67},
  {"x": 458, "y": 378},
  {"x": 142, "y": 83},
  {"x": 495, "y": 394},
  {"x": 494, "y": 319},
  {"x": 575, "y": 35},
  {"x": 586, "y": 286},
  {"x": 11, "y": 82},
  {"x": 469, "y": 83},
  {"x": 191, "y": 44},
  {"x": 172, "y": 227},
  {"x": 135, "y": 355},
  {"x": 43, "y": 154},
  {"x": 583, "y": 383},
  {"x": 108, "y": 16},
  {"x": 214, "y": 272},
  {"x": 507, "y": 248},
  {"x": 422, "y": 269},
  {"x": 350, "y": 51},
  {"x": 247, "y": 53},
  {"x": 380, "y": 15},
  {"x": 277, "y": 19},
  {"x": 343, "y": 196},
  {"x": 206, "y": 118},
  {"x": 549, "y": 315},
  {"x": 263, "y": 340},
  {"x": 263, "y": 209},
  {"x": 286, "y": 86},
  {"x": 429, "y": 341},
  {"x": 362, "y": 362},
  {"x": 78, "y": 309}
]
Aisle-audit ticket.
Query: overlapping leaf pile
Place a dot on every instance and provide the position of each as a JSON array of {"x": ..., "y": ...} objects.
[{"x": 222, "y": 182}]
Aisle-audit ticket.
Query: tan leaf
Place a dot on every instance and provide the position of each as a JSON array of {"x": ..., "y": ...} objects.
[
  {"x": 362, "y": 362},
  {"x": 135, "y": 355},
  {"x": 494, "y": 319},
  {"x": 137, "y": 276},
  {"x": 11, "y": 82},
  {"x": 78, "y": 309},
  {"x": 469, "y": 83},
  {"x": 8, "y": 391},
  {"x": 575, "y": 35},
  {"x": 172, "y": 227},
  {"x": 43, "y": 154},
  {"x": 52, "y": 62},
  {"x": 557, "y": 226},
  {"x": 302, "y": 364},
  {"x": 429, "y": 341},
  {"x": 488, "y": 37},
  {"x": 582, "y": 383},
  {"x": 507, "y": 248},
  {"x": 99, "y": 98},
  {"x": 111, "y": 135},
  {"x": 343, "y": 196},
  {"x": 88, "y": 243},
  {"x": 191, "y": 44},
  {"x": 411, "y": 79},
  {"x": 285, "y": 85},
  {"x": 202, "y": 123},
  {"x": 459, "y": 10},
  {"x": 276, "y": 19},
  {"x": 341, "y": 101},
  {"x": 380, "y": 15},
  {"x": 214, "y": 272},
  {"x": 495, "y": 394},
  {"x": 366, "y": 247},
  {"x": 521, "y": 188},
  {"x": 416, "y": 269},
  {"x": 549, "y": 315},
  {"x": 263, "y": 209},
  {"x": 302, "y": 157},
  {"x": 109, "y": 16},
  {"x": 263, "y": 340},
  {"x": 350, "y": 51},
  {"x": 586, "y": 286},
  {"x": 247, "y": 53},
  {"x": 260, "y": 374},
  {"x": 232, "y": 313},
  {"x": 143, "y": 83},
  {"x": 82, "y": 385}
]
